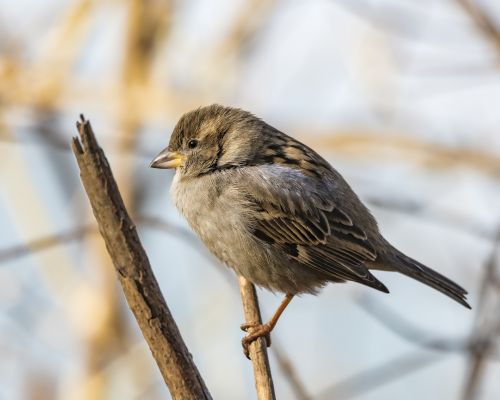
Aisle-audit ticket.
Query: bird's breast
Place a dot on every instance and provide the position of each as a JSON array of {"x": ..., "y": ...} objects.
[{"x": 209, "y": 207}]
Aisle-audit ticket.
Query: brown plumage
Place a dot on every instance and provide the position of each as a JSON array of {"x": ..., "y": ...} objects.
[{"x": 275, "y": 211}]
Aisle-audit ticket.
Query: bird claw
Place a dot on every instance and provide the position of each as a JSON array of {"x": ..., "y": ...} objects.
[{"x": 258, "y": 330}]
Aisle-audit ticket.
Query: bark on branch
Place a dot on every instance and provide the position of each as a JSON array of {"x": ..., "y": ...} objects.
[{"x": 134, "y": 271}]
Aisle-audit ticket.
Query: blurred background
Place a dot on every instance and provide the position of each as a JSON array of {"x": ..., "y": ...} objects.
[{"x": 401, "y": 96}]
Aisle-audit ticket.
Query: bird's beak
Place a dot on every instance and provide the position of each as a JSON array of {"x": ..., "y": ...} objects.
[{"x": 168, "y": 159}]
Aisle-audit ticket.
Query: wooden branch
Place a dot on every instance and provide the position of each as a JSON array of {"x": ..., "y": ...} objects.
[
  {"x": 134, "y": 271},
  {"x": 258, "y": 348}
]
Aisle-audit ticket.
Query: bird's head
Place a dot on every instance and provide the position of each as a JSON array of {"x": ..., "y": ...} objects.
[{"x": 212, "y": 138}]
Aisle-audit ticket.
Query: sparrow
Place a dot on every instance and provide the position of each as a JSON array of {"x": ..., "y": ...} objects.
[{"x": 276, "y": 212}]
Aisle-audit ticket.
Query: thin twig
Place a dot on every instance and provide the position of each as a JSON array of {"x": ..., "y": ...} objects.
[
  {"x": 45, "y": 242},
  {"x": 258, "y": 348},
  {"x": 407, "y": 331},
  {"x": 483, "y": 20},
  {"x": 404, "y": 329},
  {"x": 134, "y": 271},
  {"x": 290, "y": 373},
  {"x": 374, "y": 377},
  {"x": 485, "y": 327},
  {"x": 422, "y": 211}
]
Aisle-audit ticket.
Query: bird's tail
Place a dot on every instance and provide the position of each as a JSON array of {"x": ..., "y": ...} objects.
[{"x": 420, "y": 272}]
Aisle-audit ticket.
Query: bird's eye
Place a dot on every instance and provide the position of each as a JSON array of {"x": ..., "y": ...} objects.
[{"x": 192, "y": 143}]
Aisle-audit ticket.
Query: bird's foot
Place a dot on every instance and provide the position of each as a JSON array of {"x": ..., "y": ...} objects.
[{"x": 257, "y": 330}]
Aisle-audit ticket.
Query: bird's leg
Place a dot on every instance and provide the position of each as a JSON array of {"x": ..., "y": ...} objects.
[{"x": 258, "y": 330}]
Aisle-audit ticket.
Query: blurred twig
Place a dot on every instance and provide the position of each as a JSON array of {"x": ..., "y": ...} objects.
[
  {"x": 382, "y": 18},
  {"x": 483, "y": 20},
  {"x": 288, "y": 370},
  {"x": 45, "y": 242},
  {"x": 374, "y": 377},
  {"x": 236, "y": 43},
  {"x": 407, "y": 331},
  {"x": 486, "y": 324},
  {"x": 57, "y": 61},
  {"x": 404, "y": 148},
  {"x": 148, "y": 22},
  {"x": 419, "y": 210},
  {"x": 134, "y": 272},
  {"x": 245, "y": 26},
  {"x": 404, "y": 329}
]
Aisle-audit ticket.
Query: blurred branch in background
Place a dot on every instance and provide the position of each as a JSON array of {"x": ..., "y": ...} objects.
[
  {"x": 235, "y": 46},
  {"x": 44, "y": 243},
  {"x": 410, "y": 149},
  {"x": 383, "y": 374},
  {"x": 405, "y": 330},
  {"x": 485, "y": 23},
  {"x": 486, "y": 328},
  {"x": 147, "y": 26},
  {"x": 290, "y": 372},
  {"x": 407, "y": 206}
]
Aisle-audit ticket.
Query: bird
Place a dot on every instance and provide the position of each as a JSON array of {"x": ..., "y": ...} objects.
[{"x": 276, "y": 212}]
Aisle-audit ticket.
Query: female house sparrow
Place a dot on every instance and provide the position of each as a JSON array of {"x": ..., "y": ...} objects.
[{"x": 275, "y": 211}]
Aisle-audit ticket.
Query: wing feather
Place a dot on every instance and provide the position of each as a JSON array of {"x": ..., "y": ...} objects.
[{"x": 314, "y": 232}]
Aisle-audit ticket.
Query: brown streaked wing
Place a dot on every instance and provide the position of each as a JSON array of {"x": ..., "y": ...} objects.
[{"x": 326, "y": 241}]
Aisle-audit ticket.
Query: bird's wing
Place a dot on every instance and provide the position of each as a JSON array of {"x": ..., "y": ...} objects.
[{"x": 296, "y": 215}]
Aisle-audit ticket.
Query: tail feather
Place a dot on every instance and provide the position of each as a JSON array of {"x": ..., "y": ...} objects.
[{"x": 420, "y": 272}]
